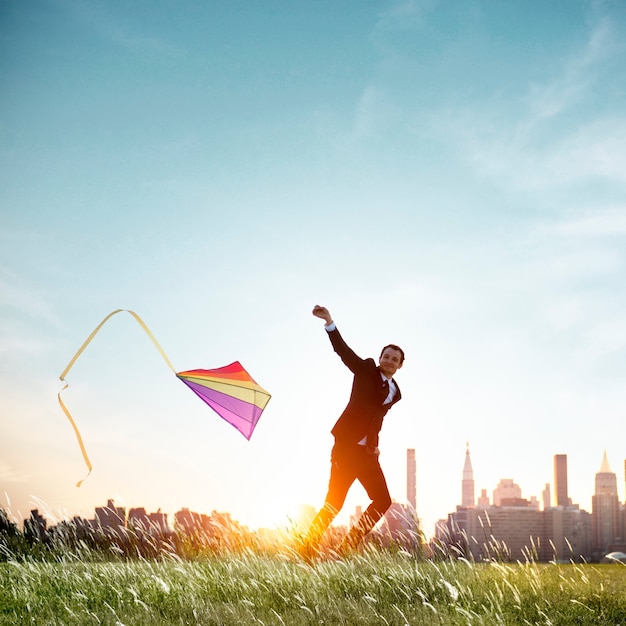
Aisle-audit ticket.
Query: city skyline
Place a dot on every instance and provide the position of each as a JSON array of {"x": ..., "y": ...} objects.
[
  {"x": 511, "y": 527},
  {"x": 447, "y": 177},
  {"x": 508, "y": 528},
  {"x": 506, "y": 488},
  {"x": 560, "y": 492}
]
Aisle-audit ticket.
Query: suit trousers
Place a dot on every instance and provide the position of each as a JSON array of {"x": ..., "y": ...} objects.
[{"x": 350, "y": 462}]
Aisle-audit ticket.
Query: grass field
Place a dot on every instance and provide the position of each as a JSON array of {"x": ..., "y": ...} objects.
[{"x": 376, "y": 587}]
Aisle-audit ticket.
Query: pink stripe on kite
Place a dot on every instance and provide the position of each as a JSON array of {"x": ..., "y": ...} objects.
[{"x": 242, "y": 415}]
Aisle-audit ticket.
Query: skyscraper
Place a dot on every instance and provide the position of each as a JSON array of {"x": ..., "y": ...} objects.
[
  {"x": 506, "y": 493},
  {"x": 547, "y": 500},
  {"x": 560, "y": 480},
  {"x": 605, "y": 512},
  {"x": 411, "y": 482},
  {"x": 467, "y": 485}
]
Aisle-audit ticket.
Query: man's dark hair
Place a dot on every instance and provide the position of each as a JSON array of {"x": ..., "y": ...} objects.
[{"x": 394, "y": 347}]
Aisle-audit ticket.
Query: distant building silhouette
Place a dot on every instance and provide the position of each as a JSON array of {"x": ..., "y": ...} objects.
[
  {"x": 401, "y": 523},
  {"x": 138, "y": 519},
  {"x": 507, "y": 490},
  {"x": 35, "y": 527},
  {"x": 358, "y": 511},
  {"x": 605, "y": 508},
  {"x": 569, "y": 530},
  {"x": 411, "y": 478},
  {"x": 155, "y": 523},
  {"x": 546, "y": 497},
  {"x": 483, "y": 499},
  {"x": 189, "y": 521},
  {"x": 467, "y": 484},
  {"x": 111, "y": 518},
  {"x": 519, "y": 533},
  {"x": 560, "y": 480},
  {"x": 139, "y": 533},
  {"x": 158, "y": 521}
]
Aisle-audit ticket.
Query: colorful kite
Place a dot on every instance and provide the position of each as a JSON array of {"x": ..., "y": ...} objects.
[{"x": 230, "y": 391}]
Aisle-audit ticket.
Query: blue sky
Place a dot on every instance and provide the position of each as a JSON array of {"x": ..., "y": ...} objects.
[{"x": 448, "y": 176}]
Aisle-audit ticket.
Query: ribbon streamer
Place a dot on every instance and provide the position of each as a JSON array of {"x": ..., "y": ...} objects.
[{"x": 75, "y": 358}]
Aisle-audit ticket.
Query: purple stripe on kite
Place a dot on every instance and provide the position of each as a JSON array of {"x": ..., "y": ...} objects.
[{"x": 240, "y": 414}]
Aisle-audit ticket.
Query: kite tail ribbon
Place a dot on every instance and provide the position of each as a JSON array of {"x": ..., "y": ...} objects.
[
  {"x": 78, "y": 437},
  {"x": 75, "y": 358}
]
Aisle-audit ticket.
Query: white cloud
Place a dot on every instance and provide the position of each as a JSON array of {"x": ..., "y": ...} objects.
[
  {"x": 596, "y": 149},
  {"x": 14, "y": 345},
  {"x": 576, "y": 77},
  {"x": 605, "y": 223},
  {"x": 560, "y": 137},
  {"x": 580, "y": 264},
  {"x": 566, "y": 312},
  {"x": 23, "y": 309},
  {"x": 605, "y": 337},
  {"x": 17, "y": 295},
  {"x": 603, "y": 43}
]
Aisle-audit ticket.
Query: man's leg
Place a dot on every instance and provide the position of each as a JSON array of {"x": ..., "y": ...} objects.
[
  {"x": 342, "y": 475},
  {"x": 371, "y": 476}
]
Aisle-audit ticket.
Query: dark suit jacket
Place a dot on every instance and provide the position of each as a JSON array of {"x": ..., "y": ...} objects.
[{"x": 365, "y": 411}]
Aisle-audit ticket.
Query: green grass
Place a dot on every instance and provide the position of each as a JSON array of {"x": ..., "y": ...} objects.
[{"x": 376, "y": 587}]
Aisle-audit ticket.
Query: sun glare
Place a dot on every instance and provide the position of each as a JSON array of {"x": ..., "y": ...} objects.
[{"x": 290, "y": 516}]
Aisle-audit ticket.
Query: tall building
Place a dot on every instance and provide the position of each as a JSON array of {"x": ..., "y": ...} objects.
[
  {"x": 411, "y": 479},
  {"x": 547, "y": 500},
  {"x": 467, "y": 485},
  {"x": 507, "y": 492},
  {"x": 605, "y": 510},
  {"x": 35, "y": 526},
  {"x": 568, "y": 530},
  {"x": 483, "y": 499},
  {"x": 158, "y": 522},
  {"x": 189, "y": 521},
  {"x": 401, "y": 523},
  {"x": 560, "y": 480},
  {"x": 110, "y": 518},
  {"x": 140, "y": 520},
  {"x": 358, "y": 511}
]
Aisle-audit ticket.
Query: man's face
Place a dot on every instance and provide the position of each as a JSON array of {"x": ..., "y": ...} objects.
[{"x": 390, "y": 362}]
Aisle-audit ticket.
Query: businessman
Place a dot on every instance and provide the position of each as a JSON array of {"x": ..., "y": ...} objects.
[{"x": 355, "y": 452}]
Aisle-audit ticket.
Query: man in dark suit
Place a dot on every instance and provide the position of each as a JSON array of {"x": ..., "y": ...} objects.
[{"x": 355, "y": 453}]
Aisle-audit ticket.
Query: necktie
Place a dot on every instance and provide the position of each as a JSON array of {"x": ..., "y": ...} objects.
[{"x": 385, "y": 391}]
